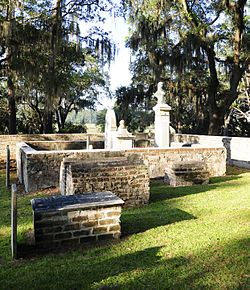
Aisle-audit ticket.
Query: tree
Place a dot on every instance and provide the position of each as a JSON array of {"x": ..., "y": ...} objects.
[
  {"x": 7, "y": 50},
  {"x": 42, "y": 51},
  {"x": 132, "y": 107},
  {"x": 179, "y": 36}
]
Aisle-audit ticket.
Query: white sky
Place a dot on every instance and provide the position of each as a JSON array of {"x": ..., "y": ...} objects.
[{"x": 119, "y": 69}]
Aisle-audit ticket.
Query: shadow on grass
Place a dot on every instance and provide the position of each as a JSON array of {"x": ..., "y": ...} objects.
[
  {"x": 154, "y": 215},
  {"x": 132, "y": 221},
  {"x": 161, "y": 191},
  {"x": 95, "y": 270},
  {"x": 212, "y": 268},
  {"x": 215, "y": 267}
]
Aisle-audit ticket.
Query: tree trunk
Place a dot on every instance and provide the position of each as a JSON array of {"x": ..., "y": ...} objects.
[
  {"x": 9, "y": 55},
  {"x": 216, "y": 121},
  {"x": 48, "y": 122},
  {"x": 52, "y": 85},
  {"x": 58, "y": 120},
  {"x": 11, "y": 107}
]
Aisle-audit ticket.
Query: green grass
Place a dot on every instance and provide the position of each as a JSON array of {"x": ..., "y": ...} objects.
[{"x": 186, "y": 238}]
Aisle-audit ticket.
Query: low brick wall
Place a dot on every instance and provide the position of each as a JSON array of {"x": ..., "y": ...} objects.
[
  {"x": 12, "y": 140},
  {"x": 186, "y": 174},
  {"x": 41, "y": 169},
  {"x": 73, "y": 220},
  {"x": 128, "y": 180},
  {"x": 237, "y": 148}
]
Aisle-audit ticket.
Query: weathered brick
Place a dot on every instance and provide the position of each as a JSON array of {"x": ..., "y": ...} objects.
[
  {"x": 115, "y": 228},
  {"x": 89, "y": 224},
  {"x": 47, "y": 224},
  {"x": 79, "y": 219},
  {"x": 62, "y": 236},
  {"x": 49, "y": 230},
  {"x": 99, "y": 230},
  {"x": 81, "y": 233},
  {"x": 71, "y": 227},
  {"x": 107, "y": 221}
]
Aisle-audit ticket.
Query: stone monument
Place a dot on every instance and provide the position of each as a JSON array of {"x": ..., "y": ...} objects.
[
  {"x": 116, "y": 138},
  {"x": 123, "y": 139},
  {"x": 162, "y": 118},
  {"x": 110, "y": 128}
]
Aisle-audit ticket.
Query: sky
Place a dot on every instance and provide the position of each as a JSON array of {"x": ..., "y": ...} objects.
[{"x": 119, "y": 68}]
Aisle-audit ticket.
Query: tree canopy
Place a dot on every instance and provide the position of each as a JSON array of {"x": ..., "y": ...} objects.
[
  {"x": 200, "y": 49},
  {"x": 48, "y": 68}
]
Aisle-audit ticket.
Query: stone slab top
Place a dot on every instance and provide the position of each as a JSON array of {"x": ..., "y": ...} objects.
[{"x": 78, "y": 201}]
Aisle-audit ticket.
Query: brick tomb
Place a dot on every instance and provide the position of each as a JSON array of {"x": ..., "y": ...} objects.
[
  {"x": 186, "y": 173},
  {"x": 76, "y": 219},
  {"x": 128, "y": 179}
]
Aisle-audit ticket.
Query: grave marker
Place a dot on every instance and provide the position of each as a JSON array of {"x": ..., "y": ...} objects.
[{"x": 162, "y": 118}]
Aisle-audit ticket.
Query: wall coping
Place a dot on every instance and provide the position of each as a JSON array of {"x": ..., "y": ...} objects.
[
  {"x": 80, "y": 201},
  {"x": 29, "y": 150},
  {"x": 215, "y": 136},
  {"x": 50, "y": 135}
]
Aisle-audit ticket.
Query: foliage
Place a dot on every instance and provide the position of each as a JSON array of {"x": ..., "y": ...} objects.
[
  {"x": 46, "y": 62},
  {"x": 3, "y": 112},
  {"x": 72, "y": 128},
  {"x": 100, "y": 122},
  {"x": 198, "y": 48},
  {"x": 186, "y": 238},
  {"x": 133, "y": 108}
]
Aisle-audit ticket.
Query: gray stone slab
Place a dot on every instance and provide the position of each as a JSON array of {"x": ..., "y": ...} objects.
[{"x": 82, "y": 201}]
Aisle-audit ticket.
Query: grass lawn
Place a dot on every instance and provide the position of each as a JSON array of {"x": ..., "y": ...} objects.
[{"x": 186, "y": 238}]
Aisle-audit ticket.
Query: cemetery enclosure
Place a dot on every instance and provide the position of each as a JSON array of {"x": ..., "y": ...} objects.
[
  {"x": 237, "y": 148},
  {"x": 12, "y": 140},
  {"x": 41, "y": 169}
]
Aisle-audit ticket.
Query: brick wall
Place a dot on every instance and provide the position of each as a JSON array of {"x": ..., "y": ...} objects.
[
  {"x": 12, "y": 140},
  {"x": 128, "y": 180},
  {"x": 237, "y": 148},
  {"x": 77, "y": 224},
  {"x": 41, "y": 169}
]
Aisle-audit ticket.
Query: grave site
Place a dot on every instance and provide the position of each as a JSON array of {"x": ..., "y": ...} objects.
[
  {"x": 123, "y": 216},
  {"x": 124, "y": 144}
]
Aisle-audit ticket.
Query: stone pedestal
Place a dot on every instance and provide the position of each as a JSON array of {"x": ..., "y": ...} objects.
[
  {"x": 162, "y": 120},
  {"x": 123, "y": 141}
]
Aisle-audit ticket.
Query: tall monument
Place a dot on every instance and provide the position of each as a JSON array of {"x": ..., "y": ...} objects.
[
  {"x": 162, "y": 118},
  {"x": 110, "y": 128}
]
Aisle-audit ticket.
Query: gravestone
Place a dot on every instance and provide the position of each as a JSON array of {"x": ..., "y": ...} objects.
[
  {"x": 116, "y": 138},
  {"x": 122, "y": 138},
  {"x": 162, "y": 118},
  {"x": 76, "y": 219},
  {"x": 110, "y": 128}
]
